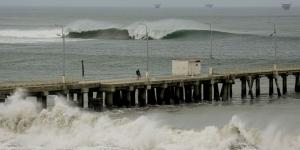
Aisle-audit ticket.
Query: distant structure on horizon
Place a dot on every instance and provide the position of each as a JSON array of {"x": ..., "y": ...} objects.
[
  {"x": 209, "y": 5},
  {"x": 157, "y": 5},
  {"x": 286, "y": 6}
]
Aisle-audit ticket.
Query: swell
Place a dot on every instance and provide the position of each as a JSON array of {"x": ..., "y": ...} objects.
[{"x": 123, "y": 34}]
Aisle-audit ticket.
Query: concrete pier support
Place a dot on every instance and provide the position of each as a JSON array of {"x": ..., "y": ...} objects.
[
  {"x": 257, "y": 84},
  {"x": 2, "y": 98},
  {"x": 142, "y": 97},
  {"x": 197, "y": 93},
  {"x": 168, "y": 93},
  {"x": 297, "y": 82},
  {"x": 188, "y": 94},
  {"x": 124, "y": 98},
  {"x": 284, "y": 84},
  {"x": 230, "y": 90},
  {"x": 224, "y": 91},
  {"x": 85, "y": 99},
  {"x": 151, "y": 96},
  {"x": 42, "y": 98},
  {"x": 131, "y": 96},
  {"x": 109, "y": 96},
  {"x": 171, "y": 91},
  {"x": 80, "y": 97},
  {"x": 179, "y": 95},
  {"x": 271, "y": 86},
  {"x": 207, "y": 91},
  {"x": 277, "y": 87},
  {"x": 98, "y": 102},
  {"x": 160, "y": 95},
  {"x": 90, "y": 99},
  {"x": 71, "y": 96},
  {"x": 250, "y": 85},
  {"x": 216, "y": 92},
  {"x": 243, "y": 87},
  {"x": 117, "y": 99}
]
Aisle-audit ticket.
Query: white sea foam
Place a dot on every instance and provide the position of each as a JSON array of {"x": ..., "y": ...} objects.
[{"x": 24, "y": 126}]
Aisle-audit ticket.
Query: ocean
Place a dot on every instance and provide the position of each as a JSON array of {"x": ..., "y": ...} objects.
[{"x": 111, "y": 42}]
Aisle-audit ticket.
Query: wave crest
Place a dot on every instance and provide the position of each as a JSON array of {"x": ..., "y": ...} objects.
[{"x": 162, "y": 29}]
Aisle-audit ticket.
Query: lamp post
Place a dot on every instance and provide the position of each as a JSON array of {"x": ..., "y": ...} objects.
[
  {"x": 147, "y": 38},
  {"x": 64, "y": 52},
  {"x": 274, "y": 35},
  {"x": 210, "y": 70},
  {"x": 275, "y": 47}
]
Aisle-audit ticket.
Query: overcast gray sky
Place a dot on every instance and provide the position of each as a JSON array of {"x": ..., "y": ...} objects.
[{"x": 165, "y": 3}]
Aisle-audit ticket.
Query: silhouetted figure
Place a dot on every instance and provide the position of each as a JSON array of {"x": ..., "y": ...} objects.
[{"x": 138, "y": 74}]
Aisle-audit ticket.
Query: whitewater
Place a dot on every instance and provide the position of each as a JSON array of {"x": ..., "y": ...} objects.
[{"x": 23, "y": 125}]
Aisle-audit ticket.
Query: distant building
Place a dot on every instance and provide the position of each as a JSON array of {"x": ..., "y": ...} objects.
[{"x": 187, "y": 67}]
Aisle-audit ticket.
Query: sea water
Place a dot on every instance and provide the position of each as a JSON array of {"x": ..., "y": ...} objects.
[{"x": 111, "y": 42}]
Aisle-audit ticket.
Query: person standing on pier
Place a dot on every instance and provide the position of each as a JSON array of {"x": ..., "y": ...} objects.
[{"x": 138, "y": 74}]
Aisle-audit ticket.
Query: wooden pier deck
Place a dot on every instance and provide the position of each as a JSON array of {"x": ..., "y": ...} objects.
[{"x": 156, "y": 89}]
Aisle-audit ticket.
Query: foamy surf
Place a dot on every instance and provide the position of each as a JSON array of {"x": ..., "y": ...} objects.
[{"x": 24, "y": 126}]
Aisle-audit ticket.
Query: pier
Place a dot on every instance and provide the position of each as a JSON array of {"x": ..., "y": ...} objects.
[{"x": 160, "y": 90}]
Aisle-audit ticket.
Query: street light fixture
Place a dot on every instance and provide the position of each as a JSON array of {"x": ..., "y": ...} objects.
[
  {"x": 274, "y": 35},
  {"x": 210, "y": 70},
  {"x": 63, "y": 36},
  {"x": 147, "y": 38}
]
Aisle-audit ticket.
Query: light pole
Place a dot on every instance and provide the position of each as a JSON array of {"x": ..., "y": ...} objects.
[
  {"x": 64, "y": 52},
  {"x": 147, "y": 38},
  {"x": 274, "y": 35},
  {"x": 210, "y": 70},
  {"x": 275, "y": 47}
]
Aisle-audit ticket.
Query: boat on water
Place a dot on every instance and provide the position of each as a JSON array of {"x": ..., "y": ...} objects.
[
  {"x": 286, "y": 6},
  {"x": 209, "y": 5},
  {"x": 157, "y": 5}
]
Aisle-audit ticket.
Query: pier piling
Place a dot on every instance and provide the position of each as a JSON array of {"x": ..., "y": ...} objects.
[
  {"x": 277, "y": 87},
  {"x": 2, "y": 99},
  {"x": 243, "y": 87},
  {"x": 216, "y": 92},
  {"x": 109, "y": 96},
  {"x": 80, "y": 97},
  {"x": 297, "y": 82},
  {"x": 250, "y": 85},
  {"x": 151, "y": 96},
  {"x": 188, "y": 93},
  {"x": 196, "y": 93},
  {"x": 142, "y": 97},
  {"x": 224, "y": 92},
  {"x": 42, "y": 98},
  {"x": 271, "y": 87},
  {"x": 257, "y": 84},
  {"x": 179, "y": 95},
  {"x": 284, "y": 84}
]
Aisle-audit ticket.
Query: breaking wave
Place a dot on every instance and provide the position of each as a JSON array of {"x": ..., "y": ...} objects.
[
  {"x": 87, "y": 29},
  {"x": 24, "y": 126},
  {"x": 163, "y": 29},
  {"x": 122, "y": 34}
]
